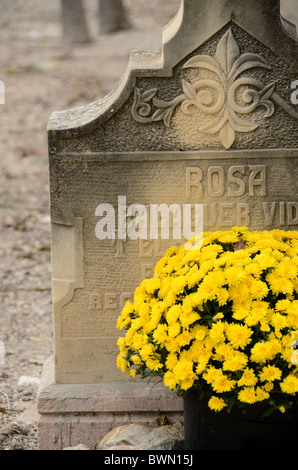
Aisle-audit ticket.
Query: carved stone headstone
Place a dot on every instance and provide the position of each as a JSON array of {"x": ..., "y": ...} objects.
[{"x": 207, "y": 121}]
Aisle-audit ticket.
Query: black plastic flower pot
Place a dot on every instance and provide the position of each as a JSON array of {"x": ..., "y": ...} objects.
[{"x": 206, "y": 430}]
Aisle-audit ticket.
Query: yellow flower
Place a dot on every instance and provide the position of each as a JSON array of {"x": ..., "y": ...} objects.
[
  {"x": 279, "y": 284},
  {"x": 258, "y": 289},
  {"x": 183, "y": 370},
  {"x": 261, "y": 394},
  {"x": 237, "y": 362},
  {"x": 265, "y": 351},
  {"x": 173, "y": 314},
  {"x": 219, "y": 382},
  {"x": 184, "y": 338},
  {"x": 170, "y": 380},
  {"x": 216, "y": 404},
  {"x": 248, "y": 378},
  {"x": 223, "y": 384},
  {"x": 282, "y": 305},
  {"x": 270, "y": 374},
  {"x": 147, "y": 351},
  {"x": 122, "y": 364},
  {"x": 247, "y": 395},
  {"x": 217, "y": 332},
  {"x": 228, "y": 237},
  {"x": 287, "y": 269},
  {"x": 160, "y": 334},
  {"x": 224, "y": 352},
  {"x": 234, "y": 275},
  {"x": 171, "y": 361},
  {"x": 290, "y": 384},
  {"x": 199, "y": 332},
  {"x": 177, "y": 284},
  {"x": 279, "y": 322},
  {"x": 136, "y": 359},
  {"x": 174, "y": 330},
  {"x": 153, "y": 364},
  {"x": 265, "y": 261},
  {"x": 238, "y": 335}
]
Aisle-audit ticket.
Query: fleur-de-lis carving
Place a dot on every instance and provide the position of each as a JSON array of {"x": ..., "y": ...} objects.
[
  {"x": 228, "y": 64},
  {"x": 217, "y": 97}
]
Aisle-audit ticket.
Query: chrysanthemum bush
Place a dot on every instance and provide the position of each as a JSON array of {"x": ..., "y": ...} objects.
[{"x": 221, "y": 318}]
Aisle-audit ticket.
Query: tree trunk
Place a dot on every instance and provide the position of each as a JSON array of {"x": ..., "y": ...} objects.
[
  {"x": 74, "y": 24},
  {"x": 112, "y": 16}
]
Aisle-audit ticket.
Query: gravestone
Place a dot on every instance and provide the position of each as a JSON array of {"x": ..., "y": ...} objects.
[{"x": 209, "y": 122}]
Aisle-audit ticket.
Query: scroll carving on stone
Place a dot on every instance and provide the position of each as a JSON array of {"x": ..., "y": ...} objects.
[{"x": 226, "y": 97}]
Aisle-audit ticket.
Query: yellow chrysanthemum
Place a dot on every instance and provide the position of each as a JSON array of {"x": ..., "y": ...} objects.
[
  {"x": 270, "y": 374},
  {"x": 290, "y": 384},
  {"x": 216, "y": 404},
  {"x": 217, "y": 316},
  {"x": 238, "y": 335},
  {"x": 248, "y": 378}
]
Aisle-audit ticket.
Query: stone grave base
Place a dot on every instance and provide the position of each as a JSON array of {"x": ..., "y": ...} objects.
[{"x": 72, "y": 414}]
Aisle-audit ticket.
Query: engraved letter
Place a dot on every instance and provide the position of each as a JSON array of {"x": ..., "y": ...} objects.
[
  {"x": 269, "y": 212},
  {"x": 194, "y": 178},
  {"x": 292, "y": 213},
  {"x": 107, "y": 222},
  {"x": 94, "y": 302},
  {"x": 145, "y": 249},
  {"x": 261, "y": 181},
  {"x": 226, "y": 214},
  {"x": 238, "y": 188},
  {"x": 147, "y": 270},
  {"x": 215, "y": 181},
  {"x": 110, "y": 301},
  {"x": 282, "y": 209},
  {"x": 243, "y": 214},
  {"x": 119, "y": 249}
]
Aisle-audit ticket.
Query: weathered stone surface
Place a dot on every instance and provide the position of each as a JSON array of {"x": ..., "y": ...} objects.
[
  {"x": 72, "y": 414},
  {"x": 145, "y": 438},
  {"x": 78, "y": 447}
]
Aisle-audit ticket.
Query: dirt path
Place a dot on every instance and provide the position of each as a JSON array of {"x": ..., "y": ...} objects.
[{"x": 42, "y": 75}]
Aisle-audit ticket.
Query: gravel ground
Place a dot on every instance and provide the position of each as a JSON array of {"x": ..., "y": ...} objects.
[{"x": 42, "y": 75}]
